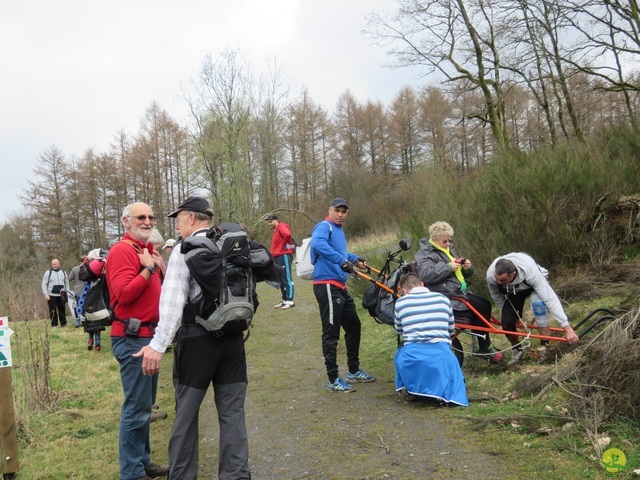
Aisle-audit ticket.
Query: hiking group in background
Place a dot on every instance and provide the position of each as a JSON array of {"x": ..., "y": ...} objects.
[
  {"x": 92, "y": 302},
  {"x": 77, "y": 286},
  {"x": 283, "y": 249}
]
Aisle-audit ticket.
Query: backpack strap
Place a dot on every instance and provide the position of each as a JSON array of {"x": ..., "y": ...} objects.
[
  {"x": 330, "y": 233},
  {"x": 135, "y": 246}
]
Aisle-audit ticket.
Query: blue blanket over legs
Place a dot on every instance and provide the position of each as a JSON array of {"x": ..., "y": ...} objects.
[{"x": 431, "y": 370}]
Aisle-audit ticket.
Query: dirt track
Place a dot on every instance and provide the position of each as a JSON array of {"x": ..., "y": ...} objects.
[{"x": 298, "y": 429}]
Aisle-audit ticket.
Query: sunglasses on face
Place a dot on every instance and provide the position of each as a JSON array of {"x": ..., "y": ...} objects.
[{"x": 142, "y": 218}]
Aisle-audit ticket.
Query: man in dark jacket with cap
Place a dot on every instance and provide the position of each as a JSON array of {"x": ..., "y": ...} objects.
[
  {"x": 332, "y": 265},
  {"x": 200, "y": 359}
]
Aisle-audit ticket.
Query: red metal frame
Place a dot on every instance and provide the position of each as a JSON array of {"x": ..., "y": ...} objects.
[{"x": 490, "y": 326}]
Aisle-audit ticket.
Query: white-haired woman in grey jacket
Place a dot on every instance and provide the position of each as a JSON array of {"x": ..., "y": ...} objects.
[{"x": 442, "y": 270}]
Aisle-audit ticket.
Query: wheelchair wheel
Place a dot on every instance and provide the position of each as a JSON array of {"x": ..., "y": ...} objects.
[{"x": 456, "y": 347}]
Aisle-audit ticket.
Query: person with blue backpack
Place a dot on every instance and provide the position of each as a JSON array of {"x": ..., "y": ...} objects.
[{"x": 332, "y": 265}]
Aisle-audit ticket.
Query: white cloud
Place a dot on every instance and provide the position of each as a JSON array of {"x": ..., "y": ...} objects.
[{"x": 77, "y": 72}]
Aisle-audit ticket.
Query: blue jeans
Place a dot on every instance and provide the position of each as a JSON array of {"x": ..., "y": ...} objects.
[{"x": 139, "y": 390}]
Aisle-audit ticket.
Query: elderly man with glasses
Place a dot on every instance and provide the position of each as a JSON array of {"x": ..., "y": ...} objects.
[{"x": 134, "y": 288}]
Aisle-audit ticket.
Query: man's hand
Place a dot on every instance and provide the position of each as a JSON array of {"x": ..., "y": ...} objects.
[
  {"x": 146, "y": 260},
  {"x": 360, "y": 263},
  {"x": 347, "y": 267},
  {"x": 570, "y": 335},
  {"x": 150, "y": 360}
]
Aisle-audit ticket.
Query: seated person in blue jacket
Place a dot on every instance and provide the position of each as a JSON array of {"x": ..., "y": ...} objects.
[
  {"x": 442, "y": 270},
  {"x": 425, "y": 365}
]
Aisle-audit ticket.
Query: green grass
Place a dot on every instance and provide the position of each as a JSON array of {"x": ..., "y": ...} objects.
[{"x": 77, "y": 436}]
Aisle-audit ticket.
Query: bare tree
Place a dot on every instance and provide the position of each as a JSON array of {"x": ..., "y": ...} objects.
[
  {"x": 47, "y": 198},
  {"x": 307, "y": 141},
  {"x": 455, "y": 40},
  {"x": 405, "y": 132},
  {"x": 436, "y": 118},
  {"x": 376, "y": 141},
  {"x": 268, "y": 138},
  {"x": 222, "y": 102}
]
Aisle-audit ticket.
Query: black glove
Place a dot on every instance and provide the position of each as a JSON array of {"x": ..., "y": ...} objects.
[{"x": 347, "y": 267}]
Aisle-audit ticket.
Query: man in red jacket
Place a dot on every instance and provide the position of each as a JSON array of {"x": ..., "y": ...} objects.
[
  {"x": 134, "y": 288},
  {"x": 282, "y": 250}
]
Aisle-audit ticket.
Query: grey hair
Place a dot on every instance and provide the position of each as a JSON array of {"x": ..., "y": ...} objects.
[
  {"x": 440, "y": 229},
  {"x": 204, "y": 216},
  {"x": 156, "y": 238}
]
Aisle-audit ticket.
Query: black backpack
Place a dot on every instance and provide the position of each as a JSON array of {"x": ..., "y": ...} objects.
[
  {"x": 94, "y": 303},
  {"x": 225, "y": 263},
  {"x": 379, "y": 302}
]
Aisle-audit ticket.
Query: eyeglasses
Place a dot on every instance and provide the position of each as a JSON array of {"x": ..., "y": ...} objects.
[
  {"x": 142, "y": 218},
  {"x": 446, "y": 241}
]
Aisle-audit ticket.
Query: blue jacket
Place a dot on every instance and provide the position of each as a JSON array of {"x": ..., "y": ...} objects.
[{"x": 329, "y": 252}]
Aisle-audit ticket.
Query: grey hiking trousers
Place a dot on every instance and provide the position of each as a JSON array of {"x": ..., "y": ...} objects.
[{"x": 201, "y": 359}]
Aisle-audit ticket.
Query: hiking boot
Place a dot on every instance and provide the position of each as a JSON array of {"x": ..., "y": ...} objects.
[
  {"x": 287, "y": 304},
  {"x": 359, "y": 377},
  {"x": 340, "y": 386},
  {"x": 542, "y": 352},
  {"x": 90, "y": 344},
  {"x": 279, "y": 305},
  {"x": 97, "y": 348},
  {"x": 490, "y": 355},
  {"x": 155, "y": 416},
  {"x": 154, "y": 470},
  {"x": 516, "y": 356}
]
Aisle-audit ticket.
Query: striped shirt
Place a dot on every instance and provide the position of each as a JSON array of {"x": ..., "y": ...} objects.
[{"x": 422, "y": 316}]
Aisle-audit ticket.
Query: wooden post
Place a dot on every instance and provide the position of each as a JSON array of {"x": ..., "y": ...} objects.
[{"x": 8, "y": 437}]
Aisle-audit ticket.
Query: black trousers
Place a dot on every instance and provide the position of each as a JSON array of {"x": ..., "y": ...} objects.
[
  {"x": 483, "y": 306},
  {"x": 57, "y": 311},
  {"x": 338, "y": 310},
  {"x": 512, "y": 309}
]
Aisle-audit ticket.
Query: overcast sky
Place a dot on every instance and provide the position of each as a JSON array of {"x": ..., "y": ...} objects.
[{"x": 74, "y": 73}]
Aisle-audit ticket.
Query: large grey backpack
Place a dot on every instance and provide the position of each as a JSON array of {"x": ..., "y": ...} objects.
[{"x": 220, "y": 263}]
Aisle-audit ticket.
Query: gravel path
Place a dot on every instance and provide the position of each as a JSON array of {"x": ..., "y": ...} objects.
[{"x": 299, "y": 430}]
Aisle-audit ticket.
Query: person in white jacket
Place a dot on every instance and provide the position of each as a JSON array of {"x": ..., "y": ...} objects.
[
  {"x": 513, "y": 278},
  {"x": 55, "y": 284}
]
